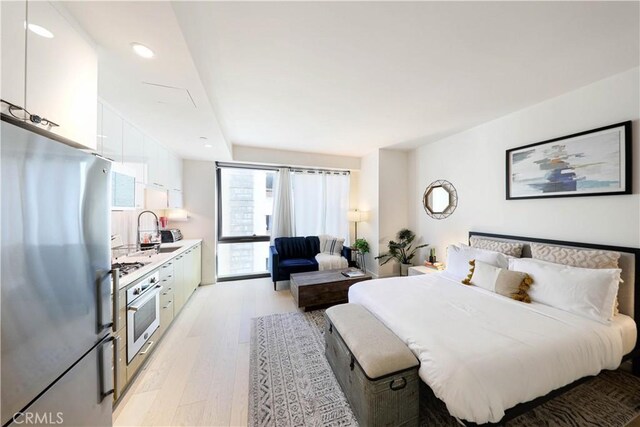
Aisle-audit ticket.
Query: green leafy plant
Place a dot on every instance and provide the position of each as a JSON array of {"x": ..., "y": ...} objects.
[
  {"x": 361, "y": 245},
  {"x": 401, "y": 250}
]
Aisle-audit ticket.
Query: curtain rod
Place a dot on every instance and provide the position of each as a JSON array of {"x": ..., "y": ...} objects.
[{"x": 275, "y": 168}]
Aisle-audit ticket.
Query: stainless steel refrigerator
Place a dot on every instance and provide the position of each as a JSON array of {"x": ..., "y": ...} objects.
[{"x": 56, "y": 314}]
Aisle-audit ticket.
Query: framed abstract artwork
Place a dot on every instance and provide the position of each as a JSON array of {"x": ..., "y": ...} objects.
[{"x": 592, "y": 163}]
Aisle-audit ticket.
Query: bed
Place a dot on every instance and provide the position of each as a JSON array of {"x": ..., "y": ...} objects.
[{"x": 491, "y": 358}]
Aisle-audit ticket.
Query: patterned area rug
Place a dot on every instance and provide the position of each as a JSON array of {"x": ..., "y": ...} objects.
[{"x": 291, "y": 384}]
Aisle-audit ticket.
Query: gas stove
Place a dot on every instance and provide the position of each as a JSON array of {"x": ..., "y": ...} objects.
[{"x": 127, "y": 267}]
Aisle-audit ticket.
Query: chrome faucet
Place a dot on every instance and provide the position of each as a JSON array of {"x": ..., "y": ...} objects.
[{"x": 138, "y": 243}]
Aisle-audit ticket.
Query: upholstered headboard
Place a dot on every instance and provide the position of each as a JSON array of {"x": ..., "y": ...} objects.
[{"x": 629, "y": 262}]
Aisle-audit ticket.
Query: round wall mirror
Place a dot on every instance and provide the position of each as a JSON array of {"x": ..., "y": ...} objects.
[{"x": 440, "y": 199}]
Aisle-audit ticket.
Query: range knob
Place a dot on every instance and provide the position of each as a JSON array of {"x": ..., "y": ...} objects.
[
  {"x": 136, "y": 291},
  {"x": 152, "y": 280}
]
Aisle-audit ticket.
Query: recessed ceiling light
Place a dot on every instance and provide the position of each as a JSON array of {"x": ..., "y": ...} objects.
[
  {"x": 208, "y": 145},
  {"x": 41, "y": 31},
  {"x": 142, "y": 50}
]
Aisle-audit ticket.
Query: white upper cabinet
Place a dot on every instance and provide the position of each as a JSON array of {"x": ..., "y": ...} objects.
[
  {"x": 13, "y": 56},
  {"x": 151, "y": 157},
  {"x": 133, "y": 152},
  {"x": 163, "y": 162},
  {"x": 61, "y": 74},
  {"x": 111, "y": 136},
  {"x": 175, "y": 172}
]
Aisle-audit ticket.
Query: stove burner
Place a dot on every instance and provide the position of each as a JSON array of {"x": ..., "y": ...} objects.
[{"x": 127, "y": 267}]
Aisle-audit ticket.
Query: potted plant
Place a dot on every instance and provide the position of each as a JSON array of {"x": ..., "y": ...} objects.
[
  {"x": 401, "y": 250},
  {"x": 361, "y": 245}
]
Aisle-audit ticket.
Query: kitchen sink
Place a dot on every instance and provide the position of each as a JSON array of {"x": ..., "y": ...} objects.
[{"x": 167, "y": 250}]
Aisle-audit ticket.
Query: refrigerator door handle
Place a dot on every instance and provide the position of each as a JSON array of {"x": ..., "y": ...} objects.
[
  {"x": 106, "y": 367},
  {"x": 105, "y": 320},
  {"x": 115, "y": 279}
]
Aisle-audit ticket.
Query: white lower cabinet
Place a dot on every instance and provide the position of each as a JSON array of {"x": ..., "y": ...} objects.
[{"x": 179, "y": 277}]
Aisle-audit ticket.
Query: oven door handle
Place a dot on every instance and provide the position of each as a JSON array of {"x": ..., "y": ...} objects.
[{"x": 140, "y": 302}]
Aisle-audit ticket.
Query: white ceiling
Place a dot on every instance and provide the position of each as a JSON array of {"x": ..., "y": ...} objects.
[
  {"x": 174, "y": 109},
  {"x": 345, "y": 78}
]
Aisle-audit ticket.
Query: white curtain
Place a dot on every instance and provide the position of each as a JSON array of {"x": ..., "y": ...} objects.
[
  {"x": 321, "y": 201},
  {"x": 283, "y": 224}
]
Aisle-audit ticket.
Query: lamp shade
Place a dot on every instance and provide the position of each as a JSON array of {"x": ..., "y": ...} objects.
[{"x": 357, "y": 216}]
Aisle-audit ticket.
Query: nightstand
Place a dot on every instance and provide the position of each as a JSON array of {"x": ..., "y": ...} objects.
[{"x": 421, "y": 269}]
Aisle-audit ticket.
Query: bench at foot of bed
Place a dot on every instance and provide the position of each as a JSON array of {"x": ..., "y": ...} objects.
[{"x": 375, "y": 369}]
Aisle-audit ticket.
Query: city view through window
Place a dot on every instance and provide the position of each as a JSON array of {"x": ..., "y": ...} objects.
[{"x": 246, "y": 205}]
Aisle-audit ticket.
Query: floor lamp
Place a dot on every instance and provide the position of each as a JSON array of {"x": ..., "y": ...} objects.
[{"x": 357, "y": 216}]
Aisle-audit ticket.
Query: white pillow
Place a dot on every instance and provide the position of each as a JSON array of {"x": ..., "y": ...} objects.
[
  {"x": 584, "y": 291},
  {"x": 458, "y": 258},
  {"x": 332, "y": 246}
]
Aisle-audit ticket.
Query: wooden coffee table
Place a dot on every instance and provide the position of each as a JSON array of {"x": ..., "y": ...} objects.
[{"x": 319, "y": 289}]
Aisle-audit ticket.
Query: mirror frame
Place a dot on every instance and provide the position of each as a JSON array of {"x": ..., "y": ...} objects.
[{"x": 453, "y": 199}]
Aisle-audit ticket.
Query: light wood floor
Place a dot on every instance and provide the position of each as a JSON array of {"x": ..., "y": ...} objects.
[{"x": 199, "y": 373}]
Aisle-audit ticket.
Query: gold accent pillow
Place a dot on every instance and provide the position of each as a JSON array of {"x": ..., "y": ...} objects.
[
  {"x": 509, "y": 283},
  {"x": 507, "y": 248}
]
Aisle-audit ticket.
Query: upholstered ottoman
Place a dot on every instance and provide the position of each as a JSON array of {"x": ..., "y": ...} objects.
[{"x": 375, "y": 369}]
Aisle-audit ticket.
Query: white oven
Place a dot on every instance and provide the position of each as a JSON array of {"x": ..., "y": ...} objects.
[{"x": 143, "y": 313}]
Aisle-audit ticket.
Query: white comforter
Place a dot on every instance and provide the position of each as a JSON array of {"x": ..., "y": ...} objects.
[{"x": 482, "y": 353}]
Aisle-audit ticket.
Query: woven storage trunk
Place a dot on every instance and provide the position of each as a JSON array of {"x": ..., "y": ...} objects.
[{"x": 390, "y": 399}]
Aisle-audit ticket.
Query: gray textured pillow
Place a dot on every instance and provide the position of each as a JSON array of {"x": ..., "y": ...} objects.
[
  {"x": 585, "y": 258},
  {"x": 507, "y": 248}
]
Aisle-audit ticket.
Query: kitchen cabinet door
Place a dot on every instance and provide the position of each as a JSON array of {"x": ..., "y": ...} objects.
[
  {"x": 175, "y": 172},
  {"x": 133, "y": 154},
  {"x": 197, "y": 266},
  {"x": 112, "y": 125},
  {"x": 61, "y": 75},
  {"x": 162, "y": 165},
  {"x": 13, "y": 33},
  {"x": 178, "y": 284},
  {"x": 151, "y": 157},
  {"x": 99, "y": 128}
]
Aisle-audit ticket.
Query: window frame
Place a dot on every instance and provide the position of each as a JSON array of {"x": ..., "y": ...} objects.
[{"x": 222, "y": 239}]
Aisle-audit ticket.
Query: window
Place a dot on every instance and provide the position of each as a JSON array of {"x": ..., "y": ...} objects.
[{"x": 245, "y": 205}]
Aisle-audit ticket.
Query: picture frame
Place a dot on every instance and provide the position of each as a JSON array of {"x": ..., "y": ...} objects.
[{"x": 597, "y": 162}]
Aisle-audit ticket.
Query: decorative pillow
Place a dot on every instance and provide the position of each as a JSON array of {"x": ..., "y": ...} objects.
[
  {"x": 585, "y": 258},
  {"x": 458, "y": 258},
  {"x": 587, "y": 292},
  {"x": 507, "y": 248},
  {"x": 332, "y": 246},
  {"x": 512, "y": 284}
]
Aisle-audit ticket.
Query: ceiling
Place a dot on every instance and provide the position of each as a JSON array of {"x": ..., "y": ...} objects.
[
  {"x": 346, "y": 77},
  {"x": 349, "y": 77},
  {"x": 163, "y": 96}
]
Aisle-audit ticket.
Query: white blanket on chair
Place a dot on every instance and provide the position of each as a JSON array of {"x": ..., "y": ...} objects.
[{"x": 331, "y": 262}]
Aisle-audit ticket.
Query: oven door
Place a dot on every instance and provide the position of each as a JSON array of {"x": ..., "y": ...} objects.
[{"x": 143, "y": 318}]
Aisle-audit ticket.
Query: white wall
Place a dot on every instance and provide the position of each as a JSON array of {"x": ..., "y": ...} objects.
[
  {"x": 368, "y": 201},
  {"x": 474, "y": 161},
  {"x": 393, "y": 202},
  {"x": 199, "y": 195}
]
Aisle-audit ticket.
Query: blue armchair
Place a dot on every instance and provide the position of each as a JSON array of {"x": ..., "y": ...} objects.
[{"x": 295, "y": 255}]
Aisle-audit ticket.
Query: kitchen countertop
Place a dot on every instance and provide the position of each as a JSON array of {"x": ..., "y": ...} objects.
[{"x": 155, "y": 260}]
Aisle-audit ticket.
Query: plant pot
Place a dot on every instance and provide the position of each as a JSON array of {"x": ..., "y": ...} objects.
[{"x": 404, "y": 269}]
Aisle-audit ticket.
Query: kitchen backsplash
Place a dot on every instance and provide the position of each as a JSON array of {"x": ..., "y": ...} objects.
[{"x": 125, "y": 224}]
